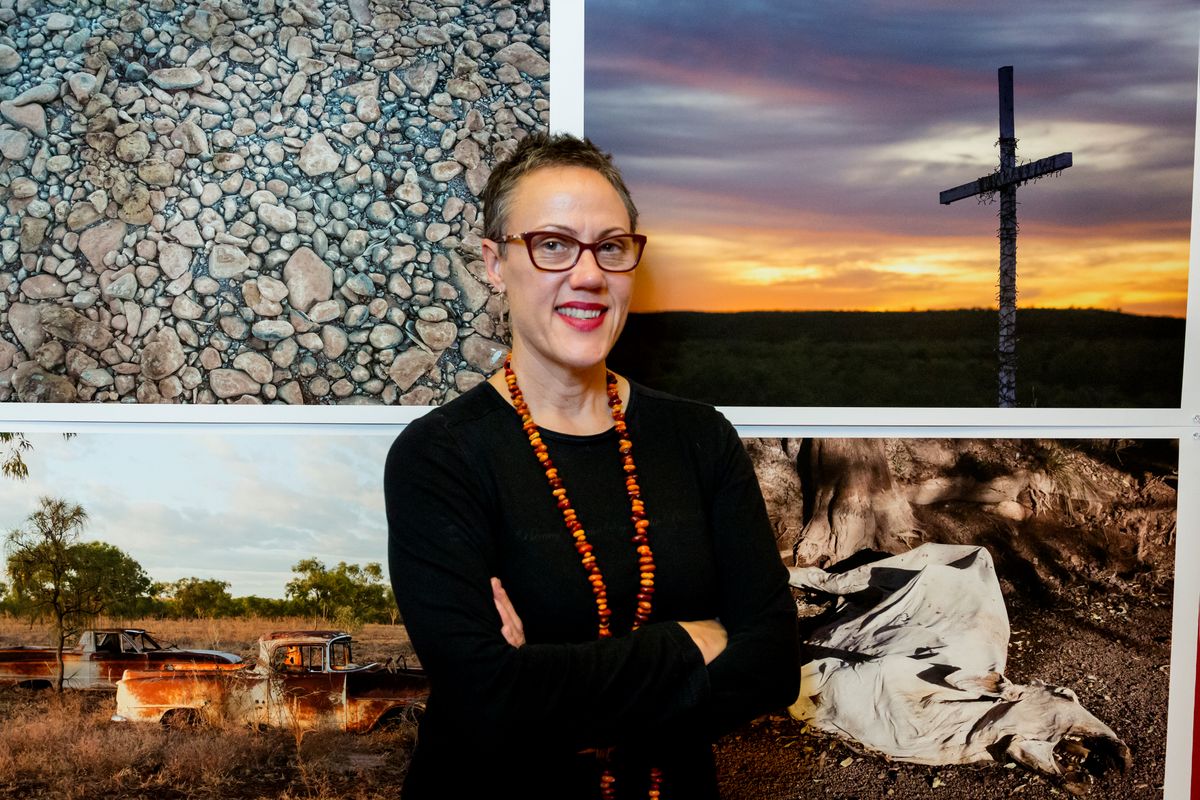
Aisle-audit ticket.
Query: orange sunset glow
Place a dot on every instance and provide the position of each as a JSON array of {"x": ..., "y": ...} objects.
[{"x": 748, "y": 270}]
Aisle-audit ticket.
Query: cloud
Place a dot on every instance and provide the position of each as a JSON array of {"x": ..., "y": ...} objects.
[
  {"x": 238, "y": 507},
  {"x": 852, "y": 116}
]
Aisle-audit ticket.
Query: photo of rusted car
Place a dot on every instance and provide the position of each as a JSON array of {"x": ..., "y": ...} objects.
[
  {"x": 99, "y": 660},
  {"x": 302, "y": 680}
]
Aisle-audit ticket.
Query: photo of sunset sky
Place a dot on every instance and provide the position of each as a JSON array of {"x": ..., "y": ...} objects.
[{"x": 789, "y": 157}]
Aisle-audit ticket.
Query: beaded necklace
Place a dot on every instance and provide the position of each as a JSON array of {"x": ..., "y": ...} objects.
[{"x": 637, "y": 514}]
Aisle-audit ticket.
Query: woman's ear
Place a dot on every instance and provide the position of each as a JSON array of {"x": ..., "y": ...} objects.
[{"x": 491, "y": 259}]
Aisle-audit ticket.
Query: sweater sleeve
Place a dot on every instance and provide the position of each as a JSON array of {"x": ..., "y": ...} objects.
[
  {"x": 759, "y": 671},
  {"x": 442, "y": 554}
]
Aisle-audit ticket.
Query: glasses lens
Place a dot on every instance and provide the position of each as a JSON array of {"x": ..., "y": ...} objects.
[
  {"x": 553, "y": 250},
  {"x": 618, "y": 253}
]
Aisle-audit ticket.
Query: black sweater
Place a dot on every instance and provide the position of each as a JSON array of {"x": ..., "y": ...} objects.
[{"x": 467, "y": 500}]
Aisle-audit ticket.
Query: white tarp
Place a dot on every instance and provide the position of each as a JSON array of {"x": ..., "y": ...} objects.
[{"x": 912, "y": 666}]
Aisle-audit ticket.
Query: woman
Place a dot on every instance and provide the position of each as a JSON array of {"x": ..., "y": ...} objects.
[{"x": 584, "y": 565}]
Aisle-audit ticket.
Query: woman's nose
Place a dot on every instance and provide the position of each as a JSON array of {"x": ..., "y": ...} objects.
[{"x": 586, "y": 274}]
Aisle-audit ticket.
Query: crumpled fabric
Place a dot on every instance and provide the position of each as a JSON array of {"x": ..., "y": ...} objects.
[{"x": 912, "y": 666}]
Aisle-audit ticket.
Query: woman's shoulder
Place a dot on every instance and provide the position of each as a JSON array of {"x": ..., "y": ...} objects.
[
  {"x": 656, "y": 402},
  {"x": 460, "y": 419}
]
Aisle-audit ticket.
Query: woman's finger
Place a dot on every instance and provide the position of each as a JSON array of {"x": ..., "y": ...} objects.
[{"x": 510, "y": 622}]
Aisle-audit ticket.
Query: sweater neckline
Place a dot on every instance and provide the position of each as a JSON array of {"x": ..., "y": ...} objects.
[{"x": 571, "y": 438}]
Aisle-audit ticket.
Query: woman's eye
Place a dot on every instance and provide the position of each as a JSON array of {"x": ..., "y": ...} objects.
[{"x": 552, "y": 245}]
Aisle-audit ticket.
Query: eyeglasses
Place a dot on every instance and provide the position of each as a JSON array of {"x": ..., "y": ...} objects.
[{"x": 551, "y": 251}]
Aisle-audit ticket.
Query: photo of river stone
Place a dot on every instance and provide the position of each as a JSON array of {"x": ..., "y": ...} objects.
[{"x": 255, "y": 201}]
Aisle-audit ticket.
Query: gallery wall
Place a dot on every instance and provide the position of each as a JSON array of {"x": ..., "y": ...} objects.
[{"x": 256, "y": 219}]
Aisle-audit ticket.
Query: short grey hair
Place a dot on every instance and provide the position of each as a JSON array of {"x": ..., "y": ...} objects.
[{"x": 537, "y": 151}]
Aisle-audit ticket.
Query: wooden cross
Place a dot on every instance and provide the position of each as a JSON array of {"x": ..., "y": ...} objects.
[{"x": 1005, "y": 181}]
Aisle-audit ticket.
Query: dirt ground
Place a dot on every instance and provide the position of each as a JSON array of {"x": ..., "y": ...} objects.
[{"x": 1112, "y": 649}]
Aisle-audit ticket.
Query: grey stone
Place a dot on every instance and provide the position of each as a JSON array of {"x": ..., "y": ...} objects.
[
  {"x": 384, "y": 336},
  {"x": 123, "y": 288},
  {"x": 255, "y": 365},
  {"x": 174, "y": 259},
  {"x": 380, "y": 212},
  {"x": 325, "y": 311},
  {"x": 95, "y": 243},
  {"x": 185, "y": 307},
  {"x": 421, "y": 78},
  {"x": 226, "y": 383},
  {"x": 445, "y": 170},
  {"x": 82, "y": 85},
  {"x": 438, "y": 335},
  {"x": 227, "y": 261},
  {"x": 133, "y": 148},
  {"x": 34, "y": 385},
  {"x": 474, "y": 293},
  {"x": 43, "y": 287},
  {"x": 427, "y": 36},
  {"x": 318, "y": 157},
  {"x": 42, "y": 93},
  {"x": 524, "y": 58},
  {"x": 360, "y": 284},
  {"x": 272, "y": 330},
  {"x": 10, "y": 59},
  {"x": 229, "y": 162},
  {"x": 59, "y": 22},
  {"x": 163, "y": 355},
  {"x": 309, "y": 279},
  {"x": 96, "y": 378},
  {"x": 14, "y": 145},
  {"x": 279, "y": 218},
  {"x": 26, "y": 323},
  {"x": 335, "y": 341},
  {"x": 354, "y": 243},
  {"x": 484, "y": 355},
  {"x": 173, "y": 78},
  {"x": 32, "y": 117},
  {"x": 71, "y": 326},
  {"x": 410, "y": 365}
]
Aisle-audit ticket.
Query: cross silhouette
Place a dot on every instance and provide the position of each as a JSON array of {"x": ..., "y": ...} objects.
[{"x": 1005, "y": 181}]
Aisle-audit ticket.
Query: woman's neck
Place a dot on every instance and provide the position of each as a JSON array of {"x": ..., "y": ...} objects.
[{"x": 566, "y": 401}]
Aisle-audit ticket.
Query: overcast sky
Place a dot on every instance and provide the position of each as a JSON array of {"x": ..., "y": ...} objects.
[
  {"x": 789, "y": 155},
  {"x": 240, "y": 507}
]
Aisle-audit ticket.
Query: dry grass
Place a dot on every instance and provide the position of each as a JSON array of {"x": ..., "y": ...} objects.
[
  {"x": 67, "y": 747},
  {"x": 234, "y": 635}
]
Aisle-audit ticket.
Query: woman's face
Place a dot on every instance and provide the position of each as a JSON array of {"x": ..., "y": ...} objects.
[{"x": 565, "y": 319}]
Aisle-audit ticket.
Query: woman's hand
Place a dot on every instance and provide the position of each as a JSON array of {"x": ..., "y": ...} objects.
[
  {"x": 510, "y": 623},
  {"x": 709, "y": 635}
]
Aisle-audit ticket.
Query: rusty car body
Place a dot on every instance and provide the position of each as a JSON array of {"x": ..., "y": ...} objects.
[
  {"x": 99, "y": 660},
  {"x": 302, "y": 680}
]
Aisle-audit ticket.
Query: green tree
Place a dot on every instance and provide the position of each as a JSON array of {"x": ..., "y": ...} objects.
[
  {"x": 195, "y": 598},
  {"x": 122, "y": 586},
  {"x": 15, "y": 445},
  {"x": 13, "y": 464},
  {"x": 347, "y": 594},
  {"x": 266, "y": 607},
  {"x": 43, "y": 566}
]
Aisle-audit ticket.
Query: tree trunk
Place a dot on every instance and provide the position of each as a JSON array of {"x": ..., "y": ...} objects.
[
  {"x": 850, "y": 502},
  {"x": 59, "y": 634}
]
